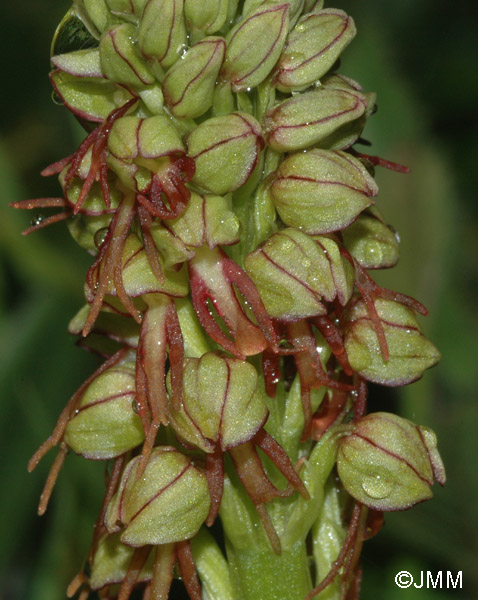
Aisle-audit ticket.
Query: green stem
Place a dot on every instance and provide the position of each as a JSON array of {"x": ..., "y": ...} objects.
[{"x": 263, "y": 575}]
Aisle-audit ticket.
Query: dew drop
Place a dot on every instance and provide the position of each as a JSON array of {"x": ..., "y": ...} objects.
[
  {"x": 100, "y": 236},
  {"x": 377, "y": 487},
  {"x": 37, "y": 220},
  {"x": 135, "y": 406},
  {"x": 182, "y": 50}
]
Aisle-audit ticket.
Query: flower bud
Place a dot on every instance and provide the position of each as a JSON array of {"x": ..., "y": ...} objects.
[
  {"x": 138, "y": 278},
  {"x": 153, "y": 137},
  {"x": 111, "y": 561},
  {"x": 207, "y": 220},
  {"x": 295, "y": 273},
  {"x": 105, "y": 424},
  {"x": 89, "y": 98},
  {"x": 221, "y": 403},
  {"x": 167, "y": 504},
  {"x": 386, "y": 464},
  {"x": 312, "y": 48},
  {"x": 162, "y": 32},
  {"x": 206, "y": 16},
  {"x": 254, "y": 46},
  {"x": 321, "y": 191},
  {"x": 225, "y": 150},
  {"x": 410, "y": 352},
  {"x": 119, "y": 61},
  {"x": 371, "y": 241},
  {"x": 189, "y": 84},
  {"x": 310, "y": 118}
]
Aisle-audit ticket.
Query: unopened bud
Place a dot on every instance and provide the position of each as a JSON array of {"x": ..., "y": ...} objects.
[
  {"x": 388, "y": 463},
  {"x": 371, "y": 241},
  {"x": 153, "y": 137},
  {"x": 410, "y": 352},
  {"x": 310, "y": 118},
  {"x": 225, "y": 150},
  {"x": 167, "y": 504},
  {"x": 312, "y": 48},
  {"x": 207, "y": 16},
  {"x": 119, "y": 61},
  {"x": 105, "y": 424},
  {"x": 162, "y": 31},
  {"x": 321, "y": 191},
  {"x": 207, "y": 220},
  {"x": 254, "y": 46},
  {"x": 189, "y": 85},
  {"x": 295, "y": 273},
  {"x": 221, "y": 403}
]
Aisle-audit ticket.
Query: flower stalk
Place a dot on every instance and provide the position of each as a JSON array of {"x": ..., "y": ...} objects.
[{"x": 233, "y": 222}]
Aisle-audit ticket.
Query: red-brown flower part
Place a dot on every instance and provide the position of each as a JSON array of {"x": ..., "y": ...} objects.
[{"x": 214, "y": 278}]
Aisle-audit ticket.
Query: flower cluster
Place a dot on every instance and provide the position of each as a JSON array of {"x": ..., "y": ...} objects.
[{"x": 232, "y": 222}]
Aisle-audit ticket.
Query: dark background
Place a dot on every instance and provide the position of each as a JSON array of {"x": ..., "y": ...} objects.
[{"x": 419, "y": 56}]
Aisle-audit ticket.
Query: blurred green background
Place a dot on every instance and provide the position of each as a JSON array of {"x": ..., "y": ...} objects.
[{"x": 419, "y": 56}]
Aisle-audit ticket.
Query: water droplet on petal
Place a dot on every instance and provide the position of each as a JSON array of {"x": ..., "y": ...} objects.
[
  {"x": 182, "y": 50},
  {"x": 377, "y": 487}
]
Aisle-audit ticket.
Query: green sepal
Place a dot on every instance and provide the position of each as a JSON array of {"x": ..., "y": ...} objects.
[
  {"x": 190, "y": 83},
  {"x": 410, "y": 352},
  {"x": 205, "y": 17},
  {"x": 111, "y": 561},
  {"x": 207, "y": 220},
  {"x": 167, "y": 504},
  {"x": 119, "y": 60},
  {"x": 312, "y": 48},
  {"x": 292, "y": 275},
  {"x": 385, "y": 464},
  {"x": 81, "y": 63},
  {"x": 371, "y": 242},
  {"x": 254, "y": 45},
  {"x": 225, "y": 150},
  {"x": 221, "y": 403},
  {"x": 138, "y": 278},
  {"x": 162, "y": 31},
  {"x": 132, "y": 137},
  {"x": 117, "y": 327},
  {"x": 87, "y": 97},
  {"x": 320, "y": 191},
  {"x": 311, "y": 118},
  {"x": 105, "y": 424}
]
